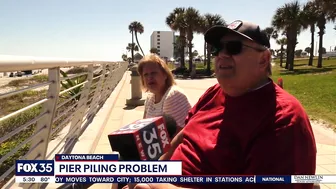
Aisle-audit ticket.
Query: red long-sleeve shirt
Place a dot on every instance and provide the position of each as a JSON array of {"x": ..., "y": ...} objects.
[{"x": 264, "y": 132}]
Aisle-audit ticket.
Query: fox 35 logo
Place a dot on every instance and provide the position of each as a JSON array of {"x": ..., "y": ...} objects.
[{"x": 34, "y": 167}]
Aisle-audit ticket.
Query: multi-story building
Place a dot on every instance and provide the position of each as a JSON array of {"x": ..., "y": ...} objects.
[{"x": 163, "y": 41}]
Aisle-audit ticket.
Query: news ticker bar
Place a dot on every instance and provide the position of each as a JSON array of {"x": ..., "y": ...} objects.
[{"x": 322, "y": 179}]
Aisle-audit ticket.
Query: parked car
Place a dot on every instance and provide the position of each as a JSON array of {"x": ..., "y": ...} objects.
[
  {"x": 19, "y": 74},
  {"x": 28, "y": 72}
]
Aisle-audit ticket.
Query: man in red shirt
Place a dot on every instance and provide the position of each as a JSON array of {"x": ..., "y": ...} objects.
[{"x": 246, "y": 124}]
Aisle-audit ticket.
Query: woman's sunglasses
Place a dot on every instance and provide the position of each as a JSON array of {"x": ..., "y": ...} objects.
[{"x": 232, "y": 48}]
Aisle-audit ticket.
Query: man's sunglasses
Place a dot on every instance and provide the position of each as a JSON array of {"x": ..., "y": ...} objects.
[{"x": 232, "y": 48}]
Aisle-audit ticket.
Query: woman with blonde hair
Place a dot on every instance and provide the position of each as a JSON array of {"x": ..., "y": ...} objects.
[{"x": 164, "y": 96}]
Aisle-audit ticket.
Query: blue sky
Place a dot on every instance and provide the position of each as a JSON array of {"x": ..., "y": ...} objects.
[{"x": 98, "y": 29}]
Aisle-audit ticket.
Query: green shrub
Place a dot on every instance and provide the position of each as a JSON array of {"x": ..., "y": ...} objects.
[
  {"x": 77, "y": 70},
  {"x": 179, "y": 71},
  {"x": 203, "y": 71},
  {"x": 40, "y": 78},
  {"x": 73, "y": 82},
  {"x": 17, "y": 82},
  {"x": 11, "y": 124},
  {"x": 28, "y": 81},
  {"x": 21, "y": 100}
]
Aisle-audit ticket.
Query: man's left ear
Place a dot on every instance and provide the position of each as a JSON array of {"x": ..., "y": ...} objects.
[{"x": 265, "y": 59}]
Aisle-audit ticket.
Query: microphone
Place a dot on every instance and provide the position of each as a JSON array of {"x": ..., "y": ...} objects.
[
  {"x": 144, "y": 139},
  {"x": 171, "y": 125}
]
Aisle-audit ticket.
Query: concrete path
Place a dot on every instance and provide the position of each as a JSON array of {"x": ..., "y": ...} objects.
[{"x": 121, "y": 115}]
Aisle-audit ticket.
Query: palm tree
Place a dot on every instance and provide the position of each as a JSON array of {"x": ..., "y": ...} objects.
[
  {"x": 309, "y": 19},
  {"x": 307, "y": 49},
  {"x": 133, "y": 48},
  {"x": 135, "y": 28},
  {"x": 194, "y": 22},
  {"x": 210, "y": 20},
  {"x": 178, "y": 48},
  {"x": 325, "y": 12},
  {"x": 271, "y": 33},
  {"x": 176, "y": 22},
  {"x": 282, "y": 42},
  {"x": 288, "y": 19},
  {"x": 204, "y": 28},
  {"x": 195, "y": 53},
  {"x": 124, "y": 57}
]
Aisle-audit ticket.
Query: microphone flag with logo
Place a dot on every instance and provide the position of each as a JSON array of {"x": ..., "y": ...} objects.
[{"x": 144, "y": 139}]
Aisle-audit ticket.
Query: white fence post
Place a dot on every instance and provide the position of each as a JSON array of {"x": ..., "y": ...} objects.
[
  {"x": 106, "y": 89},
  {"x": 114, "y": 77},
  {"x": 102, "y": 90},
  {"x": 39, "y": 145},
  {"x": 97, "y": 93}
]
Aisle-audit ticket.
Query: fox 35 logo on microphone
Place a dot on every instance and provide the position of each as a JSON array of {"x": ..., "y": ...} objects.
[{"x": 34, "y": 168}]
